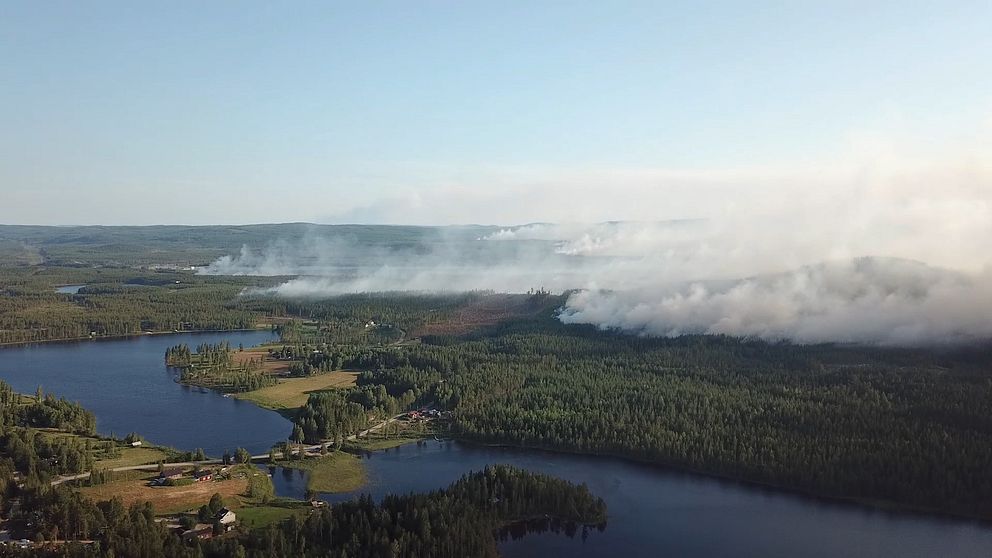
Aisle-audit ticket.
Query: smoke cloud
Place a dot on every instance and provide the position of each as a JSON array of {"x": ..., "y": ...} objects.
[
  {"x": 867, "y": 300},
  {"x": 892, "y": 254}
]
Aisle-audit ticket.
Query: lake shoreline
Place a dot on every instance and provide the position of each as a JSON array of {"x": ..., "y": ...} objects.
[
  {"x": 879, "y": 505},
  {"x": 124, "y": 336}
]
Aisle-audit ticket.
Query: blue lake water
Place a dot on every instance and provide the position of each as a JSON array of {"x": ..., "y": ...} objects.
[
  {"x": 69, "y": 289},
  {"x": 128, "y": 387},
  {"x": 658, "y": 512}
]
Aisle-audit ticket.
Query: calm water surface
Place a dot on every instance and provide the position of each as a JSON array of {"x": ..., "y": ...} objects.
[
  {"x": 69, "y": 289},
  {"x": 657, "y": 512},
  {"x": 127, "y": 386}
]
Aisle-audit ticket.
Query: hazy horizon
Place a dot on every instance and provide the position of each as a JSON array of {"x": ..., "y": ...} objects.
[{"x": 438, "y": 114}]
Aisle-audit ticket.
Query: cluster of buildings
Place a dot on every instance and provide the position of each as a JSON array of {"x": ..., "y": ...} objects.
[
  {"x": 427, "y": 414},
  {"x": 224, "y": 519},
  {"x": 175, "y": 473}
]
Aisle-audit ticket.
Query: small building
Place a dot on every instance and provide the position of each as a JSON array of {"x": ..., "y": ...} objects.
[
  {"x": 203, "y": 475},
  {"x": 225, "y": 517},
  {"x": 171, "y": 473},
  {"x": 136, "y": 444},
  {"x": 199, "y": 531}
]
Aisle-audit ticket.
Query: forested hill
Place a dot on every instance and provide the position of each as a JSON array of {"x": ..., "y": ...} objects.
[{"x": 192, "y": 245}]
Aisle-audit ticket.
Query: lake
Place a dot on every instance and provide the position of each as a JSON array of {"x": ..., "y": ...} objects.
[
  {"x": 652, "y": 511},
  {"x": 658, "y": 512},
  {"x": 69, "y": 289},
  {"x": 128, "y": 387}
]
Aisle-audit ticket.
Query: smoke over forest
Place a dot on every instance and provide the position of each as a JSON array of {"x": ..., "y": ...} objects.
[{"x": 660, "y": 278}]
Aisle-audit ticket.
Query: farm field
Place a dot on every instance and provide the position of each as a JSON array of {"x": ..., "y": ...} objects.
[
  {"x": 167, "y": 499},
  {"x": 260, "y": 516},
  {"x": 260, "y": 354},
  {"x": 133, "y": 456},
  {"x": 291, "y": 393}
]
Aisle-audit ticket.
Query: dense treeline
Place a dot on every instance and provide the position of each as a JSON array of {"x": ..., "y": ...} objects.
[
  {"x": 115, "y": 304},
  {"x": 104, "y": 528},
  {"x": 907, "y": 426},
  {"x": 212, "y": 366},
  {"x": 334, "y": 415},
  {"x": 43, "y": 411},
  {"x": 37, "y": 455},
  {"x": 458, "y": 521},
  {"x": 361, "y": 319},
  {"x": 206, "y": 355}
]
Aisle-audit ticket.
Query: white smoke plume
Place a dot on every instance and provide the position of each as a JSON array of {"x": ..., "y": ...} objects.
[
  {"x": 892, "y": 254},
  {"x": 867, "y": 300}
]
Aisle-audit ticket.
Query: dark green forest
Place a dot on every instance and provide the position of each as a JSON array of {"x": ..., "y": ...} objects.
[
  {"x": 25, "y": 449},
  {"x": 116, "y": 303},
  {"x": 910, "y": 427},
  {"x": 458, "y": 521}
]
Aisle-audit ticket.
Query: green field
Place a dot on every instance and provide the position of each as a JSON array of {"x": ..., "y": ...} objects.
[
  {"x": 292, "y": 393},
  {"x": 336, "y": 472},
  {"x": 133, "y": 456},
  {"x": 375, "y": 444},
  {"x": 254, "y": 517}
]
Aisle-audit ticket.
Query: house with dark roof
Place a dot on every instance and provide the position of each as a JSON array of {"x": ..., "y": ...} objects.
[{"x": 171, "y": 473}]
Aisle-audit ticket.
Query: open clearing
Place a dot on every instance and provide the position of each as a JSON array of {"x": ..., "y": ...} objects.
[
  {"x": 132, "y": 456},
  {"x": 128, "y": 455},
  {"x": 167, "y": 499},
  {"x": 261, "y": 354},
  {"x": 482, "y": 312},
  {"x": 254, "y": 517},
  {"x": 336, "y": 472},
  {"x": 291, "y": 393}
]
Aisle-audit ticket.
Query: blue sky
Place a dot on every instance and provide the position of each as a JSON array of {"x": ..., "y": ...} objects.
[{"x": 455, "y": 112}]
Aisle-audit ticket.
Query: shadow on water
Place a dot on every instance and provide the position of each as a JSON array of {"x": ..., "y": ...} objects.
[{"x": 520, "y": 529}]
